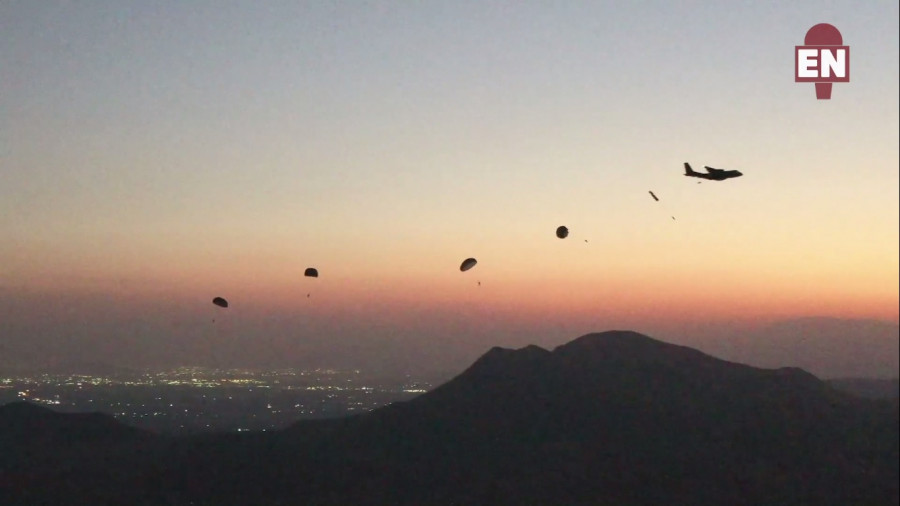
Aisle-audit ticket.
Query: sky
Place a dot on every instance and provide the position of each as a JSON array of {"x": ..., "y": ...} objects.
[{"x": 154, "y": 155}]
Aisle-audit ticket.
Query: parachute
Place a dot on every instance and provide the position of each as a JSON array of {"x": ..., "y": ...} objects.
[
  {"x": 467, "y": 264},
  {"x": 219, "y": 301},
  {"x": 562, "y": 232},
  {"x": 311, "y": 272}
]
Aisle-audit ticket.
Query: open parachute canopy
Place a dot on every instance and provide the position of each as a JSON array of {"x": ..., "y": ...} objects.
[
  {"x": 311, "y": 272},
  {"x": 467, "y": 264},
  {"x": 562, "y": 232},
  {"x": 219, "y": 301}
]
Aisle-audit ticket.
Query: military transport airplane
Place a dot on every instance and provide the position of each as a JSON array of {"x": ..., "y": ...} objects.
[{"x": 712, "y": 174}]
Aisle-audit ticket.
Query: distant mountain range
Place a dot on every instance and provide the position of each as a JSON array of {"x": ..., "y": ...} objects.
[
  {"x": 612, "y": 418},
  {"x": 868, "y": 387},
  {"x": 826, "y": 347}
]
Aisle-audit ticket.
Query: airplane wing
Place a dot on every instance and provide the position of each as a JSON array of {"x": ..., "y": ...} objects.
[{"x": 712, "y": 169}]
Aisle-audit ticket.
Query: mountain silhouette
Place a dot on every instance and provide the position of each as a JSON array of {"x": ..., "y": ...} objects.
[
  {"x": 27, "y": 423},
  {"x": 609, "y": 418}
]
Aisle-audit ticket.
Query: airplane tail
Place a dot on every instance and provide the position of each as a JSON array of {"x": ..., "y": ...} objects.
[{"x": 688, "y": 170}]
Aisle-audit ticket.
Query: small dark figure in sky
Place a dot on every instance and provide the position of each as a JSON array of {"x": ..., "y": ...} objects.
[{"x": 467, "y": 264}]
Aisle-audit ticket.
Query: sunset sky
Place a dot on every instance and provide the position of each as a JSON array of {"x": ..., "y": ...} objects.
[{"x": 154, "y": 155}]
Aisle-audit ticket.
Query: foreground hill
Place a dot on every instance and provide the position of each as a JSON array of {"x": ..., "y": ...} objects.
[{"x": 611, "y": 418}]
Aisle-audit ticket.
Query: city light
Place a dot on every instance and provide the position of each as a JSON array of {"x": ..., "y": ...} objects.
[{"x": 193, "y": 399}]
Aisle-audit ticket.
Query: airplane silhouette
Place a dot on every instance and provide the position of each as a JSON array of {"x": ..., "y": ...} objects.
[{"x": 712, "y": 174}]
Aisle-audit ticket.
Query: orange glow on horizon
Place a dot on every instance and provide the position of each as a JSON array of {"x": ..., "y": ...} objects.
[{"x": 673, "y": 298}]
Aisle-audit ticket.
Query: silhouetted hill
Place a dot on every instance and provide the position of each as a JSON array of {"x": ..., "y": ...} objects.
[
  {"x": 618, "y": 416},
  {"x": 610, "y": 418},
  {"x": 25, "y": 422},
  {"x": 43, "y": 448}
]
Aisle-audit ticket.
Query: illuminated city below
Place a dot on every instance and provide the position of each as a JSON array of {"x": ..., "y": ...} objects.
[{"x": 194, "y": 399}]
